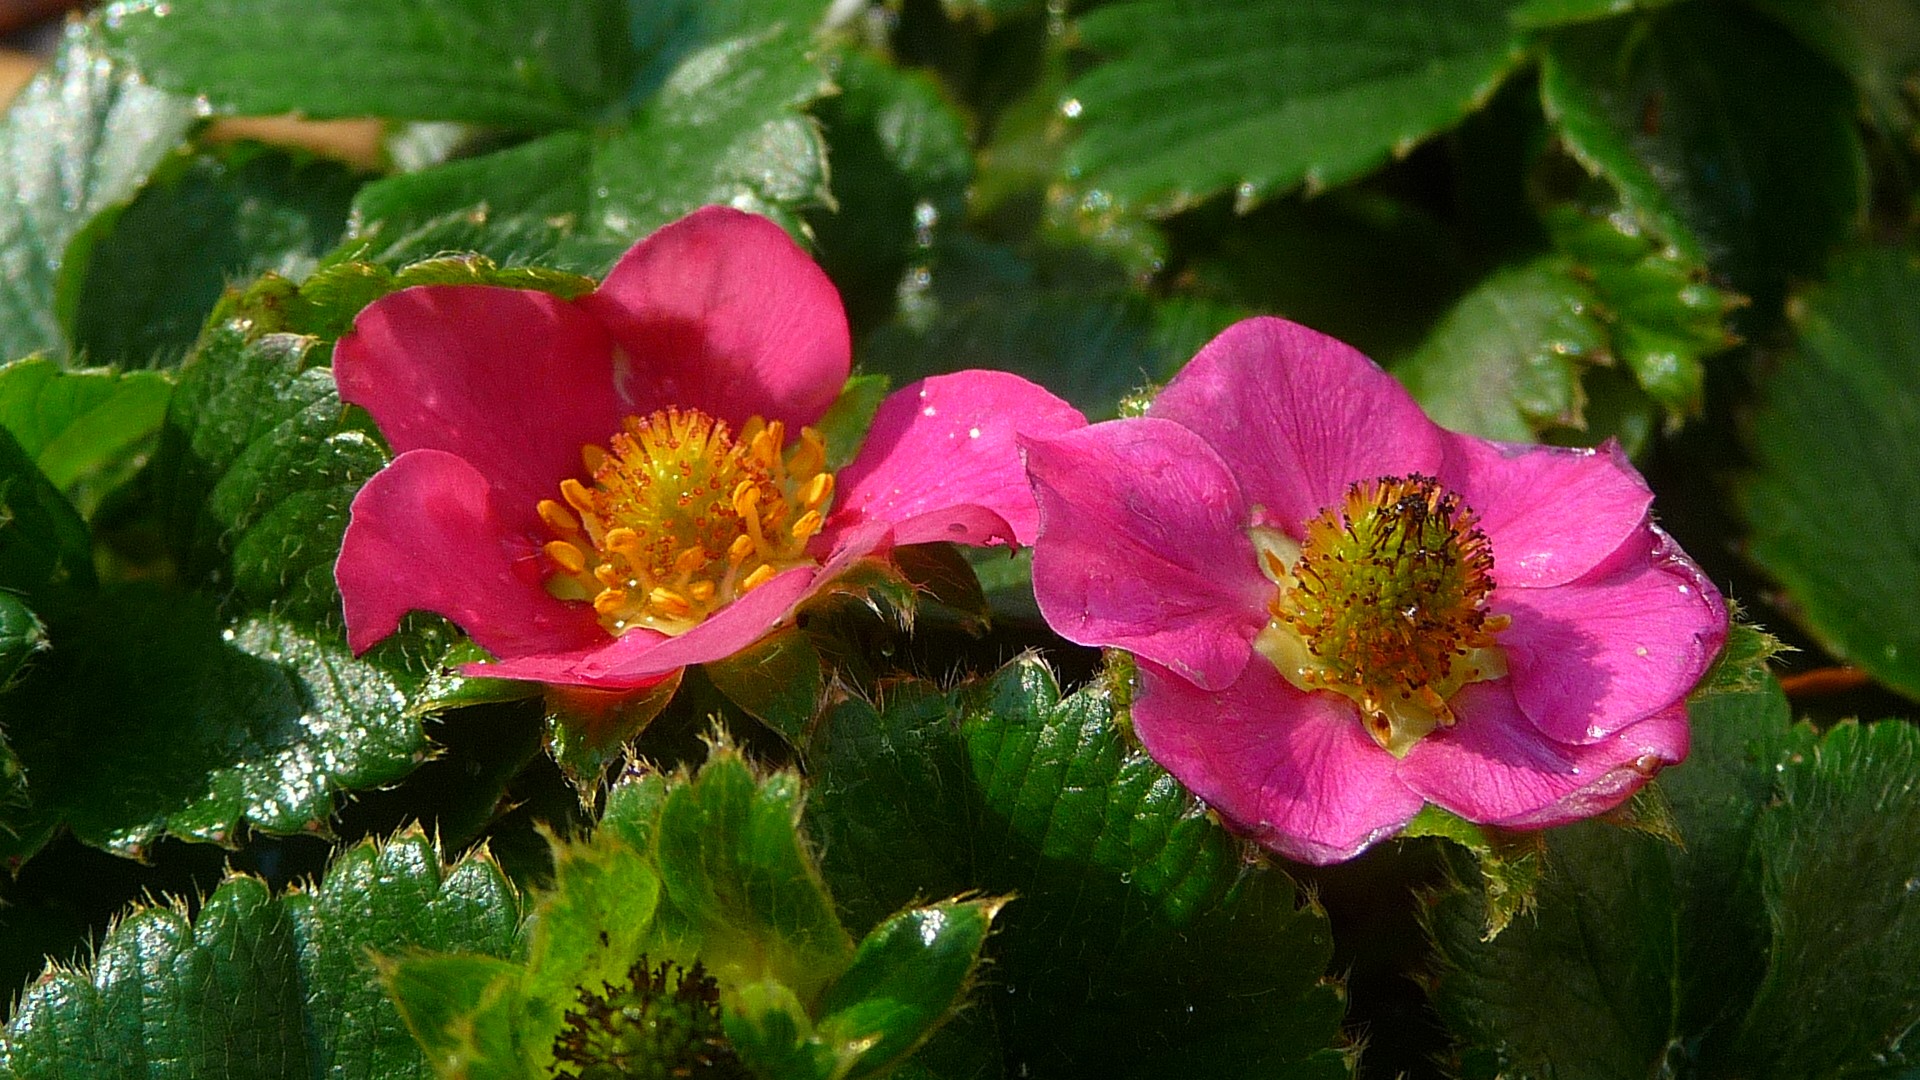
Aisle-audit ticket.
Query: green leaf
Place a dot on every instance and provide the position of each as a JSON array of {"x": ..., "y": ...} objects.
[
  {"x": 1724, "y": 136},
  {"x": 589, "y": 728},
  {"x": 1260, "y": 96},
  {"x": 213, "y": 723},
  {"x": 777, "y": 680},
  {"x": 1661, "y": 315},
  {"x": 1876, "y": 42},
  {"x": 513, "y": 205},
  {"x": 739, "y": 875},
  {"x": 1775, "y": 943},
  {"x": 256, "y": 986},
  {"x": 1536, "y": 14},
  {"x": 1090, "y": 341},
  {"x": 1505, "y": 363},
  {"x": 515, "y": 63},
  {"x": 460, "y": 1009},
  {"x": 901, "y": 165},
  {"x": 907, "y": 976},
  {"x": 202, "y": 221},
  {"x": 1003, "y": 786},
  {"x": 21, "y": 636},
  {"x": 1510, "y": 865},
  {"x": 257, "y": 465},
  {"x": 1834, "y": 442},
  {"x": 844, "y": 427},
  {"x": 1839, "y": 854},
  {"x": 725, "y": 127},
  {"x": 43, "y": 542},
  {"x": 75, "y": 424},
  {"x": 78, "y": 142}
]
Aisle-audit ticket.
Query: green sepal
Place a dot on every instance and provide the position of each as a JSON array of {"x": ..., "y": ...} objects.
[
  {"x": 778, "y": 680},
  {"x": 588, "y": 728},
  {"x": 1510, "y": 865}
]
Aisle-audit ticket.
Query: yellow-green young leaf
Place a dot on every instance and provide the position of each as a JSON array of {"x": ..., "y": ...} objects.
[
  {"x": 1261, "y": 96},
  {"x": 260, "y": 986}
]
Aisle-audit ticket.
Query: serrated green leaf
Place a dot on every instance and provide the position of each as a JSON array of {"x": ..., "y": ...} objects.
[
  {"x": 1662, "y": 316},
  {"x": 907, "y": 976},
  {"x": 1505, "y": 363},
  {"x": 738, "y": 874},
  {"x": 515, "y": 63},
  {"x": 901, "y": 164},
  {"x": 78, "y": 142},
  {"x": 202, "y": 221},
  {"x": 257, "y": 465},
  {"x": 1834, "y": 445},
  {"x": 256, "y": 722},
  {"x": 43, "y": 542},
  {"x": 1777, "y": 943},
  {"x": 1510, "y": 865},
  {"x": 256, "y": 986},
  {"x": 1722, "y": 134},
  {"x": 726, "y": 128},
  {"x": 77, "y": 423},
  {"x": 1261, "y": 96},
  {"x": 777, "y": 680},
  {"x": 1004, "y": 786},
  {"x": 460, "y": 1009},
  {"x": 1839, "y": 853},
  {"x": 513, "y": 205}
]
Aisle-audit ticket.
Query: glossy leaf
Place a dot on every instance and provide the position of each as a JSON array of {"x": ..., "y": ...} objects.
[
  {"x": 77, "y": 423},
  {"x": 1724, "y": 136},
  {"x": 1832, "y": 444},
  {"x": 1260, "y": 96},
  {"x": 257, "y": 721},
  {"x": 1005, "y": 786},
  {"x": 78, "y": 143},
  {"x": 201, "y": 223},
  {"x": 43, "y": 542},
  {"x": 777, "y": 680},
  {"x": 516, "y": 63},
  {"x": 1506, "y": 362},
  {"x": 261, "y": 986}
]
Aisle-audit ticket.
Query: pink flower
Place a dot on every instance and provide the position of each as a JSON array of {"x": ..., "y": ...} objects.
[
  {"x": 603, "y": 491},
  {"x": 1342, "y": 611}
]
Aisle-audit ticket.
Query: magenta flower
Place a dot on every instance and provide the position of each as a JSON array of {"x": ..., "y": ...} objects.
[
  {"x": 603, "y": 491},
  {"x": 1342, "y": 611}
]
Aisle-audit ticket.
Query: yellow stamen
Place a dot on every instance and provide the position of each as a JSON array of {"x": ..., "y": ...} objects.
[
  {"x": 556, "y": 517},
  {"x": 669, "y": 602},
  {"x": 569, "y": 558},
  {"x": 758, "y": 578},
  {"x": 808, "y": 524}
]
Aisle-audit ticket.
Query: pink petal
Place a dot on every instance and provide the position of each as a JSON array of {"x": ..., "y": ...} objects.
[
  {"x": 1299, "y": 416},
  {"x": 722, "y": 311},
  {"x": 1143, "y": 546},
  {"x": 1297, "y": 772},
  {"x": 642, "y": 657},
  {"x": 515, "y": 382},
  {"x": 1626, "y": 640},
  {"x": 1495, "y": 767},
  {"x": 1551, "y": 514},
  {"x": 940, "y": 462},
  {"x": 425, "y": 535}
]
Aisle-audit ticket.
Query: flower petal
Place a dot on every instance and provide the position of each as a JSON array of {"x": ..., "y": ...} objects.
[
  {"x": 1296, "y": 772},
  {"x": 515, "y": 382},
  {"x": 424, "y": 535},
  {"x": 942, "y": 450},
  {"x": 723, "y": 312},
  {"x": 1551, "y": 514},
  {"x": 641, "y": 657},
  {"x": 1143, "y": 546},
  {"x": 1495, "y": 767},
  {"x": 1626, "y": 640},
  {"x": 1298, "y": 416}
]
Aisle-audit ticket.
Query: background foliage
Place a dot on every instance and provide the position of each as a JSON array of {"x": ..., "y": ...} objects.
[{"x": 1689, "y": 225}]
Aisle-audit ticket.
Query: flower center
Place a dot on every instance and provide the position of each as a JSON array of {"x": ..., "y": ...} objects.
[
  {"x": 1385, "y": 602},
  {"x": 681, "y": 517}
]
